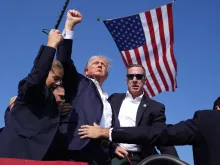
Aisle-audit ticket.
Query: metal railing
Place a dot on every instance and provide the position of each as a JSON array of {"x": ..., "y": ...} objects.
[{"x": 161, "y": 159}]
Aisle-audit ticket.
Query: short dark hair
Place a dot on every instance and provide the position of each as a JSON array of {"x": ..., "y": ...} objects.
[
  {"x": 137, "y": 65},
  {"x": 216, "y": 103}
]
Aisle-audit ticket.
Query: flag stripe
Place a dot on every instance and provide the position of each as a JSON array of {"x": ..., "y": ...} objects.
[
  {"x": 124, "y": 59},
  {"x": 150, "y": 61},
  {"x": 159, "y": 50},
  {"x": 170, "y": 20},
  {"x": 128, "y": 57},
  {"x": 167, "y": 37},
  {"x": 137, "y": 54},
  {"x": 151, "y": 58},
  {"x": 150, "y": 68},
  {"x": 148, "y": 75},
  {"x": 163, "y": 45},
  {"x": 155, "y": 49}
]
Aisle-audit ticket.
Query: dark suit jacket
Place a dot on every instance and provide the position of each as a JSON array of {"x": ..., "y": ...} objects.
[
  {"x": 149, "y": 112},
  {"x": 7, "y": 111},
  {"x": 87, "y": 106},
  {"x": 33, "y": 121},
  {"x": 202, "y": 132}
]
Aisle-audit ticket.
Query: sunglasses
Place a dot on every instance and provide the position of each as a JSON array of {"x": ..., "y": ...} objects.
[{"x": 138, "y": 76}]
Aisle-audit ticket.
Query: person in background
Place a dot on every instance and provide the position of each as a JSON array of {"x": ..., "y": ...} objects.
[
  {"x": 34, "y": 119},
  {"x": 216, "y": 105}
]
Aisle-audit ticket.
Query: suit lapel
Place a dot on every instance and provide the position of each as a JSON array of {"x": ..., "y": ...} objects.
[
  {"x": 141, "y": 109},
  {"x": 118, "y": 103},
  {"x": 98, "y": 94}
]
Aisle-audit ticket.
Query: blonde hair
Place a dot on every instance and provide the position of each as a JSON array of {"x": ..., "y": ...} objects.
[{"x": 57, "y": 64}]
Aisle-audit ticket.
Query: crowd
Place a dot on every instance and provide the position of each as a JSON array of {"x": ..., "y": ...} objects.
[{"x": 61, "y": 114}]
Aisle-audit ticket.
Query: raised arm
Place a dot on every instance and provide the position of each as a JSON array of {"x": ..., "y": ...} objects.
[
  {"x": 32, "y": 87},
  {"x": 71, "y": 76}
]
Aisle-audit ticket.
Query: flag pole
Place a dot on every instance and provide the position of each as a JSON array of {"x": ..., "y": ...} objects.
[
  {"x": 61, "y": 14},
  {"x": 59, "y": 18}
]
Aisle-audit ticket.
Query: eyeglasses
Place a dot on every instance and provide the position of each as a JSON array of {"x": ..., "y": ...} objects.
[{"x": 138, "y": 76}]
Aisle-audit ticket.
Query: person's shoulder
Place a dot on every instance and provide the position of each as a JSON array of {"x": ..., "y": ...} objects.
[
  {"x": 116, "y": 95},
  {"x": 207, "y": 112},
  {"x": 156, "y": 103}
]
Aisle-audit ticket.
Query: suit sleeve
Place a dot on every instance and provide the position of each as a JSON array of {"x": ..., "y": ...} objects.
[
  {"x": 33, "y": 86},
  {"x": 7, "y": 113},
  {"x": 183, "y": 133},
  {"x": 71, "y": 76},
  {"x": 160, "y": 118}
]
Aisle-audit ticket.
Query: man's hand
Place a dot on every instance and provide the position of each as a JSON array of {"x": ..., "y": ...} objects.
[
  {"x": 94, "y": 132},
  {"x": 54, "y": 38},
  {"x": 64, "y": 108},
  {"x": 12, "y": 101},
  {"x": 73, "y": 17},
  {"x": 121, "y": 152}
]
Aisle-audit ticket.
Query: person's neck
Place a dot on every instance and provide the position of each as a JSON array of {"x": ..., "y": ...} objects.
[
  {"x": 100, "y": 80},
  {"x": 135, "y": 95}
]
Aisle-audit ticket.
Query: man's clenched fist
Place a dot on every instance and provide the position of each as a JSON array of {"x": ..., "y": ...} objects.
[
  {"x": 54, "y": 38},
  {"x": 73, "y": 17}
]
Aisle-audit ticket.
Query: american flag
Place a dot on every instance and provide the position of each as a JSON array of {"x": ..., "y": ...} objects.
[{"x": 147, "y": 38}]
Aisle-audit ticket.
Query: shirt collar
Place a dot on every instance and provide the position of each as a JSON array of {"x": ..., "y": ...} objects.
[
  {"x": 128, "y": 95},
  {"x": 98, "y": 86}
]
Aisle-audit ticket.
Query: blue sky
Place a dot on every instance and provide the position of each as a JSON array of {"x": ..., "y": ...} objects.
[{"x": 196, "y": 48}]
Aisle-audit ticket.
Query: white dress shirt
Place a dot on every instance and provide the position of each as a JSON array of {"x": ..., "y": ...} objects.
[
  {"x": 67, "y": 34},
  {"x": 106, "y": 120},
  {"x": 127, "y": 118}
]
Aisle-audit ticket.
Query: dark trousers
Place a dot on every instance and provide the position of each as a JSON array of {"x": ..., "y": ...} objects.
[{"x": 93, "y": 153}]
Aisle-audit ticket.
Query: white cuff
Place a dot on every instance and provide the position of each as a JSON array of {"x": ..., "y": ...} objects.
[
  {"x": 110, "y": 134},
  {"x": 68, "y": 34}
]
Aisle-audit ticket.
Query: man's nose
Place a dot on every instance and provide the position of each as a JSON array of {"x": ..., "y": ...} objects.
[{"x": 134, "y": 79}]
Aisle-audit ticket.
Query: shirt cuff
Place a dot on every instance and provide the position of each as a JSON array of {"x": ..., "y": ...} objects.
[
  {"x": 110, "y": 134},
  {"x": 68, "y": 34}
]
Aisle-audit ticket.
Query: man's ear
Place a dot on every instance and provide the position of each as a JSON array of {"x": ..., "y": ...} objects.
[{"x": 86, "y": 72}]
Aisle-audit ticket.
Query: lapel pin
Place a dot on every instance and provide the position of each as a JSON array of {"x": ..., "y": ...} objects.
[{"x": 145, "y": 105}]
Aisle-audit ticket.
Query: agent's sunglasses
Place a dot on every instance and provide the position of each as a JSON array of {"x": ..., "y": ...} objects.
[{"x": 138, "y": 76}]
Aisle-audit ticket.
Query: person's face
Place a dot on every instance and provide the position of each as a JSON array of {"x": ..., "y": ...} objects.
[
  {"x": 54, "y": 78},
  {"x": 135, "y": 80},
  {"x": 217, "y": 107},
  {"x": 97, "y": 68},
  {"x": 59, "y": 94}
]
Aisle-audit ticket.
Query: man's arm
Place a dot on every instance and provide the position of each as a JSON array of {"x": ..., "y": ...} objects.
[
  {"x": 160, "y": 118},
  {"x": 32, "y": 87},
  {"x": 183, "y": 133},
  {"x": 64, "y": 51}
]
